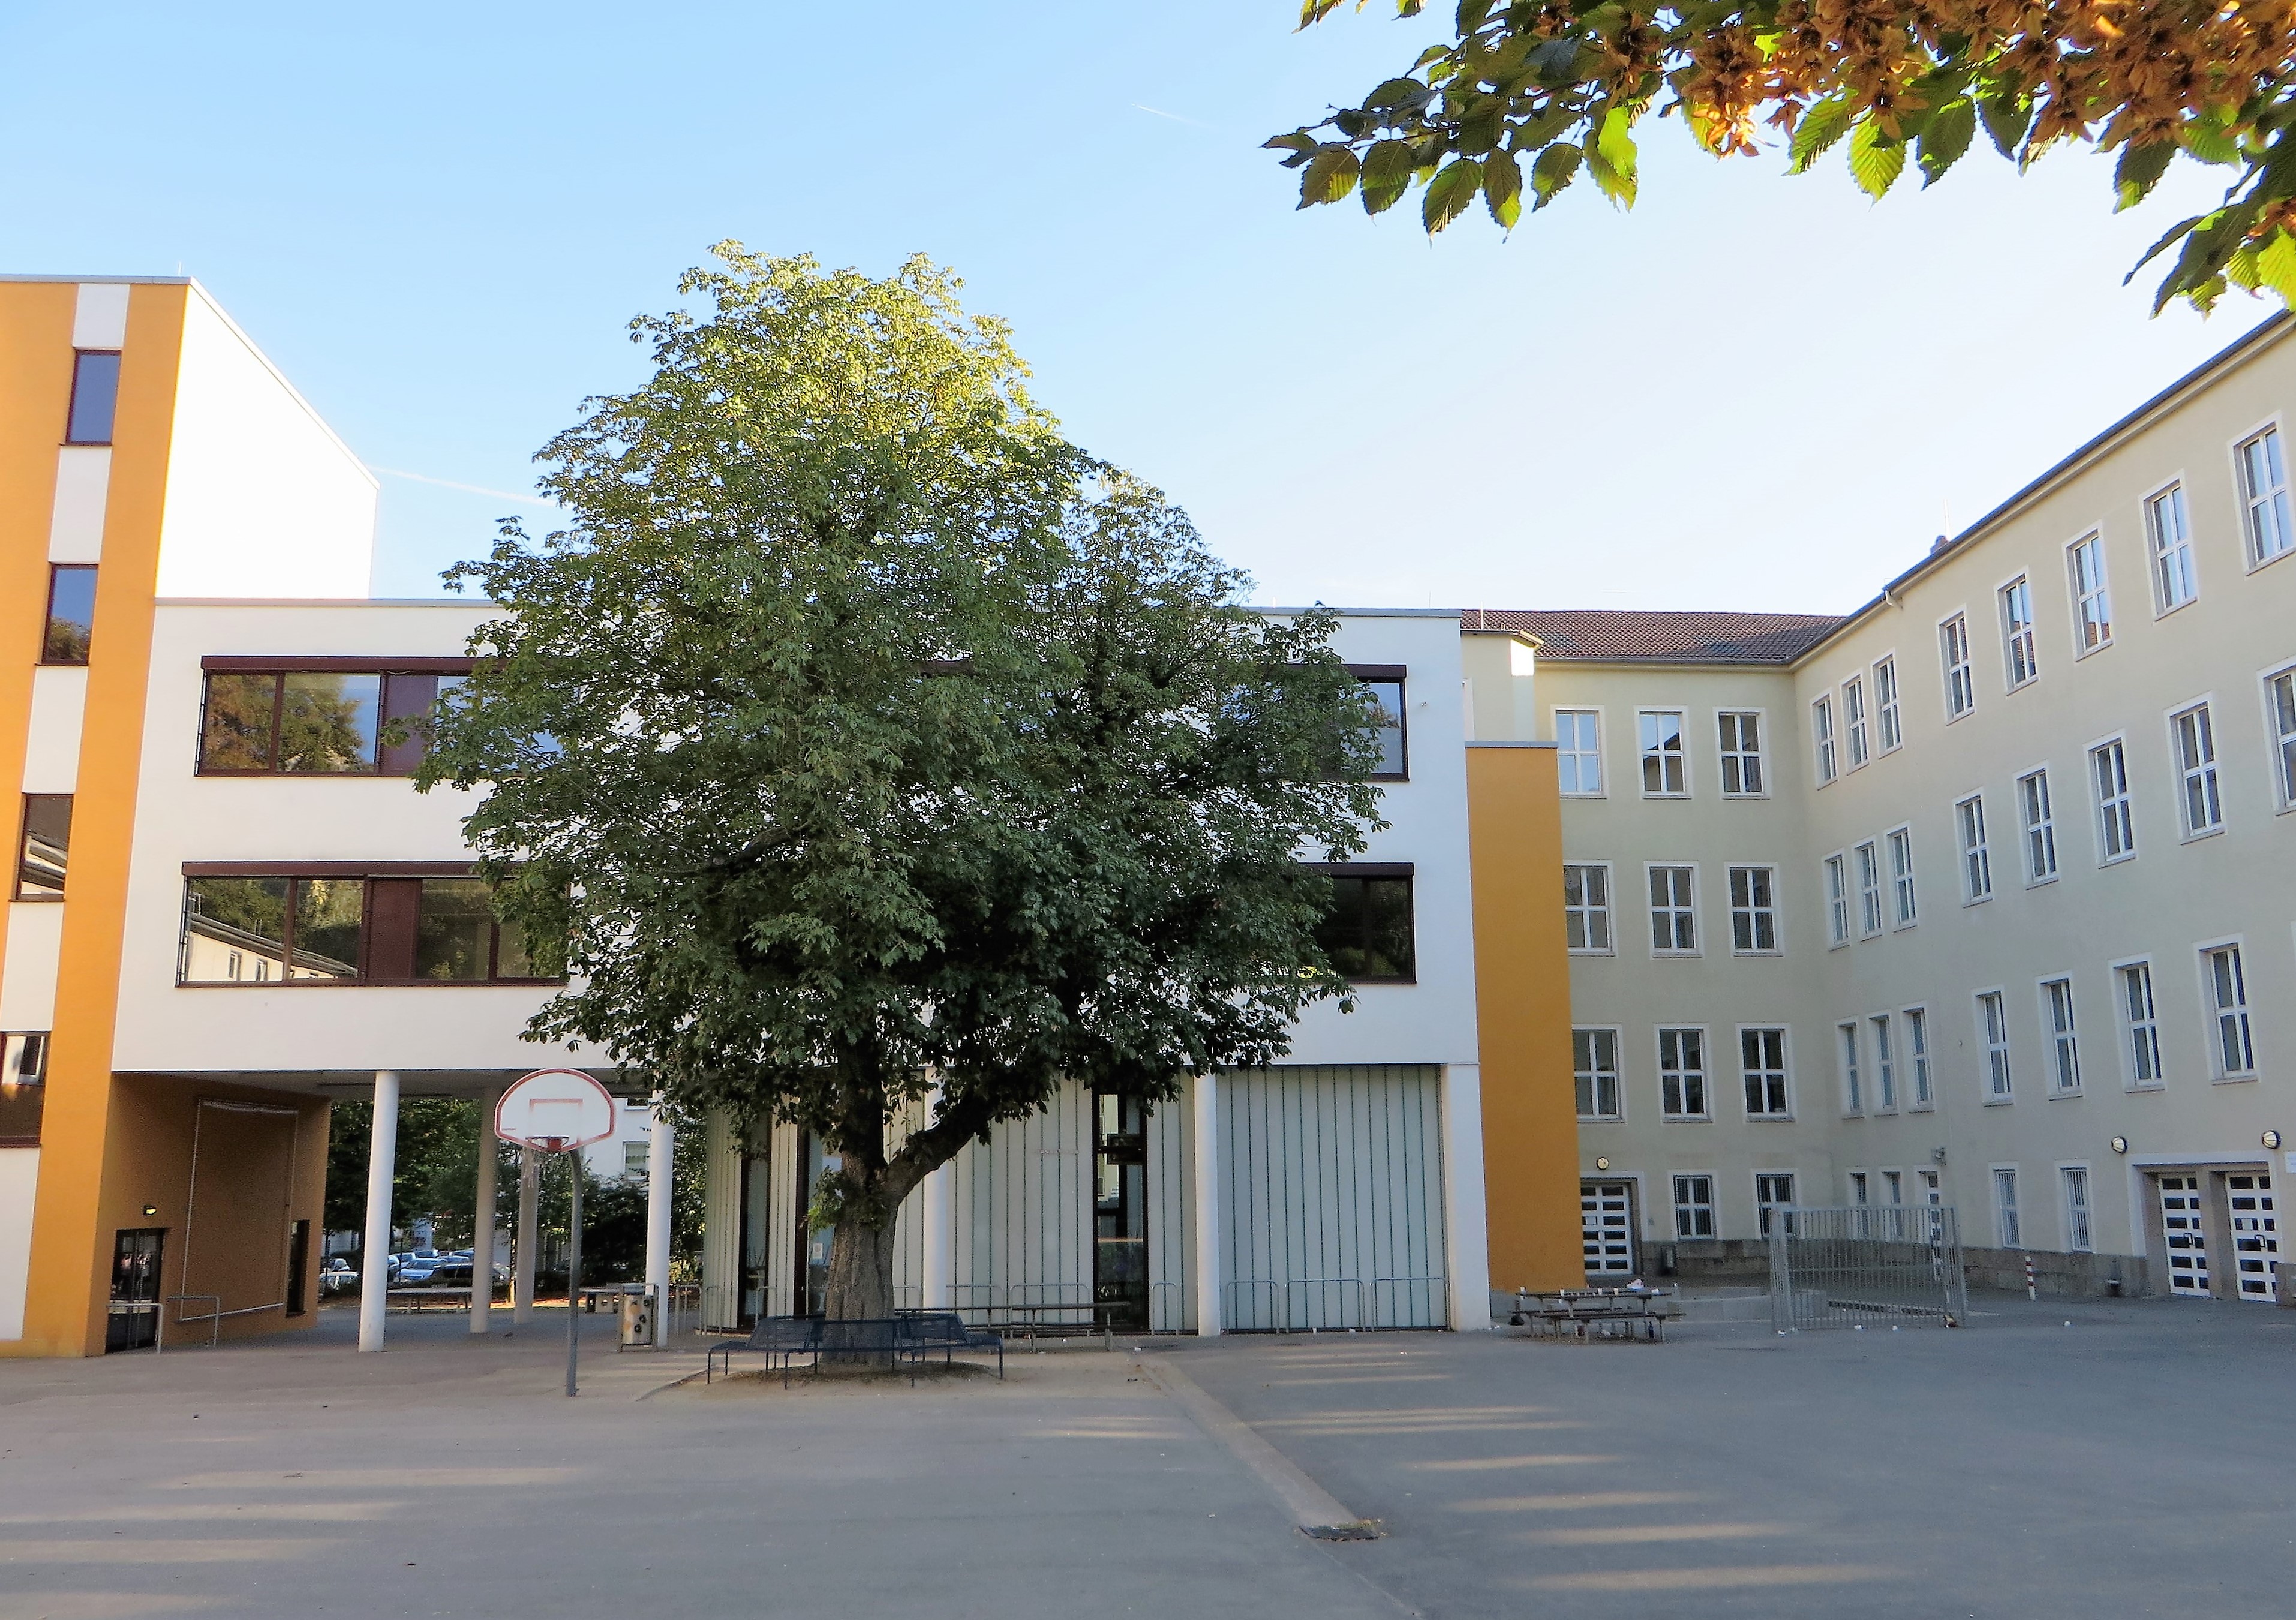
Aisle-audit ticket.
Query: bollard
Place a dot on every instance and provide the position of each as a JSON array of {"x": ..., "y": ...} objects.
[{"x": 2031, "y": 1292}]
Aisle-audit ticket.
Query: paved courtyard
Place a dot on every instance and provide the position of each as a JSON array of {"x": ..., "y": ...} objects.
[{"x": 2135, "y": 1462}]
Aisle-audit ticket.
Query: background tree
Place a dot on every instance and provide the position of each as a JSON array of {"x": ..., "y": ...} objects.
[
  {"x": 866, "y": 754},
  {"x": 1529, "y": 96}
]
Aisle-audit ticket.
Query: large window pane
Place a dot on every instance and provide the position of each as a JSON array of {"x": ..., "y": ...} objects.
[
  {"x": 453, "y": 929},
  {"x": 235, "y": 728},
  {"x": 72, "y": 614},
  {"x": 327, "y": 721},
  {"x": 1367, "y": 932},
  {"x": 511, "y": 959},
  {"x": 234, "y": 930},
  {"x": 328, "y": 913},
  {"x": 47, "y": 843},
  {"x": 94, "y": 399},
  {"x": 1388, "y": 729}
]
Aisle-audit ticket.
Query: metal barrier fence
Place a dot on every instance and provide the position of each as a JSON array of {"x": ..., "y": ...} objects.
[{"x": 1868, "y": 1263}]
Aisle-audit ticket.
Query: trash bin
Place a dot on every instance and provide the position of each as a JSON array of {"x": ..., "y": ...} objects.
[{"x": 637, "y": 1320}]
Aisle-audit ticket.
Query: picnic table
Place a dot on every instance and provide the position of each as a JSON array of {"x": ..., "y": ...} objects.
[
  {"x": 1594, "y": 1313},
  {"x": 1029, "y": 1319}
]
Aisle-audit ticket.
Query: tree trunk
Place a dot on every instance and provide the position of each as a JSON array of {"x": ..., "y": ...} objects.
[{"x": 860, "y": 1271}]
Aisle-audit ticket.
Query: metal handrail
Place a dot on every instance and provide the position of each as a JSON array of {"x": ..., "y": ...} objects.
[
  {"x": 1362, "y": 1315},
  {"x": 1179, "y": 1315},
  {"x": 213, "y": 1319},
  {"x": 1378, "y": 1282}
]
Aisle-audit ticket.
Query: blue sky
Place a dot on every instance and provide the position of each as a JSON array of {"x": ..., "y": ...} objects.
[{"x": 1750, "y": 392}]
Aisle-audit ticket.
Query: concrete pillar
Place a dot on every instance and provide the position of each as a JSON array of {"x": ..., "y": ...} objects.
[
  {"x": 482, "y": 1218},
  {"x": 940, "y": 1238},
  {"x": 381, "y": 1166},
  {"x": 530, "y": 1220},
  {"x": 1209, "y": 1311},
  {"x": 661, "y": 1165},
  {"x": 1465, "y": 1221}
]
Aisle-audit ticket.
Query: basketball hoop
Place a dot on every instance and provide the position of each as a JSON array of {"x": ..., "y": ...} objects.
[{"x": 555, "y": 1109}]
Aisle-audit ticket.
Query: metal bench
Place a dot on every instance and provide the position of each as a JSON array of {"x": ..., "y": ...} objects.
[
  {"x": 785, "y": 1338},
  {"x": 947, "y": 1333},
  {"x": 777, "y": 1339}
]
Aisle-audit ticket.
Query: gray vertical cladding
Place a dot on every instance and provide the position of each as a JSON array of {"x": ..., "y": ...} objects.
[
  {"x": 785, "y": 1198},
  {"x": 721, "y": 1224},
  {"x": 1024, "y": 1208},
  {"x": 1332, "y": 1198},
  {"x": 1171, "y": 1216}
]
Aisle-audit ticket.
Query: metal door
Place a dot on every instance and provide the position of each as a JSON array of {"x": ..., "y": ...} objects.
[
  {"x": 2182, "y": 1214},
  {"x": 2255, "y": 1234},
  {"x": 1606, "y": 1219}
]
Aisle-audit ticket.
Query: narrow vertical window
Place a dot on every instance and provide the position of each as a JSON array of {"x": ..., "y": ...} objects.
[
  {"x": 1762, "y": 1067},
  {"x": 71, "y": 613},
  {"x": 2175, "y": 581},
  {"x": 1976, "y": 860},
  {"x": 1861, "y": 1187},
  {"x": 2140, "y": 1024},
  {"x": 2080, "y": 1233},
  {"x": 1579, "y": 751},
  {"x": 1885, "y": 1065},
  {"x": 2091, "y": 600},
  {"x": 1773, "y": 1190},
  {"x": 94, "y": 397},
  {"x": 1837, "y": 901},
  {"x": 2196, "y": 763},
  {"x": 2018, "y": 653},
  {"x": 1869, "y": 889},
  {"x": 1886, "y": 713},
  {"x": 1682, "y": 1073},
  {"x": 1821, "y": 734},
  {"x": 1388, "y": 729},
  {"x": 1993, "y": 1029},
  {"x": 1742, "y": 754},
  {"x": 1853, "y": 1091},
  {"x": 2228, "y": 991},
  {"x": 2011, "y": 1232},
  {"x": 1673, "y": 909},
  {"x": 2280, "y": 698},
  {"x": 1693, "y": 1205},
  {"x": 2064, "y": 1039},
  {"x": 2264, "y": 493},
  {"x": 1853, "y": 720},
  {"x": 1595, "y": 1063},
  {"x": 1664, "y": 769},
  {"x": 2116, "y": 826},
  {"x": 2040, "y": 827},
  {"x": 1753, "y": 909},
  {"x": 44, "y": 846},
  {"x": 1586, "y": 907},
  {"x": 1917, "y": 1053},
  {"x": 1903, "y": 914},
  {"x": 1960, "y": 680}
]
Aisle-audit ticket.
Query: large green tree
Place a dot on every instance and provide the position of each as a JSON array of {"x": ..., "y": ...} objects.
[
  {"x": 1526, "y": 97},
  {"x": 873, "y": 759}
]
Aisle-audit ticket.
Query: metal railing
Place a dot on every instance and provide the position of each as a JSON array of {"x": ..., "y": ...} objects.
[
  {"x": 1162, "y": 1319},
  {"x": 1866, "y": 1263}
]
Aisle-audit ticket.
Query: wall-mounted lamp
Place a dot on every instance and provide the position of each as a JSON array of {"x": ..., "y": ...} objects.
[
  {"x": 1601, "y": 1163},
  {"x": 2272, "y": 1139},
  {"x": 2120, "y": 1144},
  {"x": 149, "y": 1210},
  {"x": 1938, "y": 1154}
]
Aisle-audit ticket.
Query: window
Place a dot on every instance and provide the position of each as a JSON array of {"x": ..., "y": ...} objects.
[
  {"x": 94, "y": 397},
  {"x": 1693, "y": 1205},
  {"x": 2017, "y": 632},
  {"x": 2264, "y": 493},
  {"x": 2227, "y": 999},
  {"x": 1753, "y": 909},
  {"x": 1885, "y": 704},
  {"x": 2040, "y": 827},
  {"x": 1579, "y": 751},
  {"x": 1869, "y": 889},
  {"x": 1682, "y": 1074},
  {"x": 41, "y": 851},
  {"x": 1861, "y": 1189},
  {"x": 1901, "y": 879},
  {"x": 1853, "y": 1091},
  {"x": 23, "y": 1071},
  {"x": 1837, "y": 901},
  {"x": 1386, "y": 688},
  {"x": 1885, "y": 1066},
  {"x": 2006, "y": 1224},
  {"x": 1586, "y": 907},
  {"x": 1594, "y": 1062},
  {"x": 2080, "y": 1233},
  {"x": 2280, "y": 698},
  {"x": 2195, "y": 738},
  {"x": 1960, "y": 680},
  {"x": 1742, "y": 754},
  {"x": 634, "y": 1155},
  {"x": 2116, "y": 826},
  {"x": 1993, "y": 1029},
  {"x": 1976, "y": 862},
  {"x": 1664, "y": 768},
  {"x": 1917, "y": 1053},
  {"x": 2140, "y": 1025},
  {"x": 1821, "y": 731},
  {"x": 1673, "y": 909},
  {"x": 1853, "y": 720},
  {"x": 2175, "y": 581},
  {"x": 2064, "y": 1039},
  {"x": 345, "y": 929},
  {"x": 1367, "y": 934},
  {"x": 1773, "y": 1190},
  {"x": 317, "y": 722},
  {"x": 71, "y": 613},
  {"x": 2092, "y": 602},
  {"x": 1893, "y": 1185},
  {"x": 1762, "y": 1064}
]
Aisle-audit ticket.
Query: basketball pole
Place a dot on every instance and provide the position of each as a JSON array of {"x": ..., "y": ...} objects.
[{"x": 573, "y": 1269}]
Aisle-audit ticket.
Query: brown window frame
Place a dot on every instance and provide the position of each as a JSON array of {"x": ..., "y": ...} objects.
[
  {"x": 21, "y": 1092},
  {"x": 48, "y": 617},
  {"x": 407, "y": 756},
  {"x": 16, "y": 890},
  {"x": 370, "y": 873}
]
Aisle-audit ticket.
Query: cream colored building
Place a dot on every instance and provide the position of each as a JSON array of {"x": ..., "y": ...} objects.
[{"x": 1984, "y": 894}]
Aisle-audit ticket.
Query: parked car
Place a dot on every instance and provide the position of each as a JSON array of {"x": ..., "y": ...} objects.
[{"x": 337, "y": 1274}]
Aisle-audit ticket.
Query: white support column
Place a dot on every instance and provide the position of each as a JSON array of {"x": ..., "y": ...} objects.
[
  {"x": 940, "y": 1238},
  {"x": 661, "y": 1166},
  {"x": 1206, "y": 1192},
  {"x": 1465, "y": 1218},
  {"x": 381, "y": 1167},
  {"x": 530, "y": 1219},
  {"x": 482, "y": 1218}
]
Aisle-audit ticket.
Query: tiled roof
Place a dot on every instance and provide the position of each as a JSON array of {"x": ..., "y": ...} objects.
[{"x": 1609, "y": 634}]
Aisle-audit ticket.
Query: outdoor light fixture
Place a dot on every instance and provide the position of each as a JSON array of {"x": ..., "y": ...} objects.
[
  {"x": 2120, "y": 1144},
  {"x": 149, "y": 1210},
  {"x": 1601, "y": 1163},
  {"x": 2272, "y": 1139}
]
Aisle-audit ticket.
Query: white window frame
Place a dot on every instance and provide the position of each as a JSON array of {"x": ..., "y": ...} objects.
[
  {"x": 2280, "y": 734},
  {"x": 1849, "y": 1043},
  {"x": 1782, "y": 1072},
  {"x": 1860, "y": 1187},
  {"x": 2204, "y": 777},
  {"x": 2077, "y": 1199},
  {"x": 2008, "y": 1218},
  {"x": 2104, "y": 805},
  {"x": 1674, "y": 910},
  {"x": 1754, "y": 757},
  {"x": 1921, "y": 1095},
  {"x": 1600, "y": 789},
  {"x": 1590, "y": 911},
  {"x": 1904, "y": 903},
  {"x": 1885, "y": 1063},
  {"x": 2214, "y": 1014},
  {"x": 1648, "y": 753},
  {"x": 2021, "y": 642},
  {"x": 1894, "y": 1182},
  {"x": 1833, "y": 883},
  {"x": 1960, "y": 676},
  {"x": 2037, "y": 818},
  {"x": 1684, "y": 1076},
  {"x": 2054, "y": 999},
  {"x": 1754, "y": 914},
  {"x": 1855, "y": 739},
  {"x": 1976, "y": 851},
  {"x": 1688, "y": 1206},
  {"x": 1888, "y": 711},
  {"x": 2140, "y": 1036},
  {"x": 1594, "y": 1074},
  {"x": 1999, "y": 1073},
  {"x": 2186, "y": 566},
  {"x": 1823, "y": 758},
  {"x": 2091, "y": 600},
  {"x": 2276, "y": 498},
  {"x": 1872, "y": 918},
  {"x": 1762, "y": 1206}
]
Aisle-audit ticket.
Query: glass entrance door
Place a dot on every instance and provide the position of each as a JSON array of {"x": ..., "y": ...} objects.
[
  {"x": 757, "y": 1211},
  {"x": 134, "y": 1320},
  {"x": 1119, "y": 1209},
  {"x": 812, "y": 1246}
]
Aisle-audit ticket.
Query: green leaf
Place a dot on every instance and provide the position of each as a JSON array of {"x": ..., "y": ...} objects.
[
  {"x": 1502, "y": 188},
  {"x": 1611, "y": 157},
  {"x": 1450, "y": 191},
  {"x": 1554, "y": 170},
  {"x": 2008, "y": 114},
  {"x": 2139, "y": 170},
  {"x": 1330, "y": 176},
  {"x": 2173, "y": 233},
  {"x": 1556, "y": 61},
  {"x": 1298, "y": 140},
  {"x": 1822, "y": 124},
  {"x": 2206, "y": 139},
  {"x": 1875, "y": 161},
  {"x": 2276, "y": 265},
  {"x": 1398, "y": 96},
  {"x": 1947, "y": 137},
  {"x": 1387, "y": 170}
]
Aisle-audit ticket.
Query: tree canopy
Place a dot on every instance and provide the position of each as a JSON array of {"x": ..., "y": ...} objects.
[
  {"x": 1529, "y": 96},
  {"x": 872, "y": 757}
]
